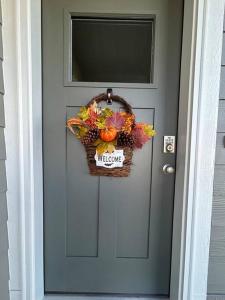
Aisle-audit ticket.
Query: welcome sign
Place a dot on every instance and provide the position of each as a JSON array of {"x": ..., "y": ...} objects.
[{"x": 110, "y": 160}]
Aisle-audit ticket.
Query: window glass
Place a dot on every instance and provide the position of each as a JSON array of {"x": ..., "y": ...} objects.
[{"x": 112, "y": 50}]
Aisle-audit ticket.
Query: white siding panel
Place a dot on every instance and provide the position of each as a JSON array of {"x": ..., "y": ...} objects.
[
  {"x": 4, "y": 244},
  {"x": 216, "y": 275}
]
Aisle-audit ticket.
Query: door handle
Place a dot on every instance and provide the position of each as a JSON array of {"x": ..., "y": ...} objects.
[{"x": 168, "y": 169}]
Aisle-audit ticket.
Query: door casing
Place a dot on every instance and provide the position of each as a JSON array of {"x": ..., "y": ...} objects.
[{"x": 203, "y": 21}]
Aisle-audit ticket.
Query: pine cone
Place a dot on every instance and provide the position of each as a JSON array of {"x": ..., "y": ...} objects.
[
  {"x": 90, "y": 137},
  {"x": 125, "y": 140}
]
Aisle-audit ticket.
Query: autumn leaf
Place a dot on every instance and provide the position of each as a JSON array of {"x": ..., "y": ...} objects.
[
  {"x": 140, "y": 138},
  {"x": 149, "y": 131},
  {"x": 111, "y": 148},
  {"x": 106, "y": 112},
  {"x": 102, "y": 148},
  {"x": 97, "y": 142},
  {"x": 116, "y": 121},
  {"x": 91, "y": 119},
  {"x": 82, "y": 131},
  {"x": 100, "y": 123},
  {"x": 84, "y": 113}
]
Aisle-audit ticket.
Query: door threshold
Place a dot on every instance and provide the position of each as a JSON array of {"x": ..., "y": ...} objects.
[{"x": 102, "y": 297}]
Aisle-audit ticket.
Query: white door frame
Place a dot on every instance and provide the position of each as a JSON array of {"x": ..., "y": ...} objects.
[{"x": 199, "y": 94}]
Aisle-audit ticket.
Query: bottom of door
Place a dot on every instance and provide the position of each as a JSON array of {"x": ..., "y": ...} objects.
[{"x": 102, "y": 297}]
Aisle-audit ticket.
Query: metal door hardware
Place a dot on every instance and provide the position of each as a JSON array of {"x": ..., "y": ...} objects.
[
  {"x": 169, "y": 144},
  {"x": 168, "y": 169},
  {"x": 109, "y": 93}
]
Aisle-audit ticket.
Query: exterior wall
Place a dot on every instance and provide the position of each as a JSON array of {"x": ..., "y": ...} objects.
[
  {"x": 12, "y": 136},
  {"x": 4, "y": 270},
  {"x": 216, "y": 276}
]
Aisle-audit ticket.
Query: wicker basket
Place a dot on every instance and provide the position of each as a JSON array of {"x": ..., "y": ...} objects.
[{"x": 91, "y": 150}]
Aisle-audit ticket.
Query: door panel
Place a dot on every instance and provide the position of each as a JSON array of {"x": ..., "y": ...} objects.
[
  {"x": 81, "y": 211},
  {"x": 108, "y": 235}
]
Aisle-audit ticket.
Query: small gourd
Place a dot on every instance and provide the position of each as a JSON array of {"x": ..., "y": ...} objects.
[{"x": 108, "y": 134}]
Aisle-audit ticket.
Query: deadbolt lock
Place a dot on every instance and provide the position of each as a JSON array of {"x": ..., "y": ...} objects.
[
  {"x": 169, "y": 144},
  {"x": 169, "y": 148}
]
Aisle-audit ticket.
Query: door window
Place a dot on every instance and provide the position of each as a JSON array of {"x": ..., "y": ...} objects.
[{"x": 112, "y": 50}]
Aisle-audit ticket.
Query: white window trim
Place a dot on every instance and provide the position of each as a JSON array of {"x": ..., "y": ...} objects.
[{"x": 199, "y": 94}]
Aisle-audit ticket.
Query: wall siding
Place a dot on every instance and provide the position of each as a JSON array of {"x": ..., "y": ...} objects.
[
  {"x": 4, "y": 268},
  {"x": 216, "y": 276}
]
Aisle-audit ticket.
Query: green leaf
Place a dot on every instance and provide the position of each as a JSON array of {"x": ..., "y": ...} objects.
[
  {"x": 83, "y": 131},
  {"x": 100, "y": 123},
  {"x": 84, "y": 113},
  {"x": 80, "y": 131},
  {"x": 106, "y": 112}
]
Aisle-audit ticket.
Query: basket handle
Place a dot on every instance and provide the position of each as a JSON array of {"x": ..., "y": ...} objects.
[{"x": 116, "y": 98}]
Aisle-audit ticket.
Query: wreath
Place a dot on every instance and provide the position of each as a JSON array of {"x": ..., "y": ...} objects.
[{"x": 103, "y": 132}]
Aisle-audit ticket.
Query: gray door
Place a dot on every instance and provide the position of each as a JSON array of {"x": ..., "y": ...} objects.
[{"x": 109, "y": 235}]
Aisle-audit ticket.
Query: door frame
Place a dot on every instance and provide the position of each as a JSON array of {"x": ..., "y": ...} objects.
[{"x": 199, "y": 94}]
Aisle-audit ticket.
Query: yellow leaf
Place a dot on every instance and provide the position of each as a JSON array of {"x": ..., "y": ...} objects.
[
  {"x": 97, "y": 142},
  {"x": 106, "y": 112},
  {"x": 101, "y": 148},
  {"x": 111, "y": 148},
  {"x": 84, "y": 113},
  {"x": 100, "y": 123},
  {"x": 149, "y": 131}
]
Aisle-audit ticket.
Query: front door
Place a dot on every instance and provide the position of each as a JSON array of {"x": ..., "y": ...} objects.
[{"x": 109, "y": 235}]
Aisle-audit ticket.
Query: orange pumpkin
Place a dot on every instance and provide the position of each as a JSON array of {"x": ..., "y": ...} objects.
[{"x": 108, "y": 134}]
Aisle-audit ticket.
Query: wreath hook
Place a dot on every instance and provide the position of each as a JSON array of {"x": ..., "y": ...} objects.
[{"x": 109, "y": 93}]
